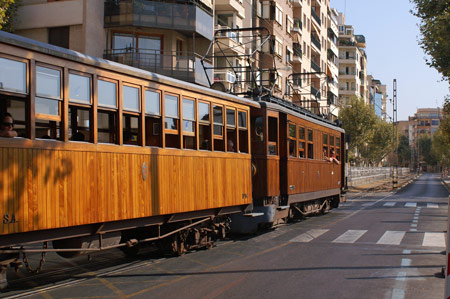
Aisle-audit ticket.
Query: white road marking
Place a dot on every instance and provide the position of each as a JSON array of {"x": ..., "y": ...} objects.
[
  {"x": 413, "y": 229},
  {"x": 415, "y": 221},
  {"x": 398, "y": 294},
  {"x": 369, "y": 204},
  {"x": 406, "y": 251},
  {"x": 309, "y": 236},
  {"x": 405, "y": 263},
  {"x": 414, "y": 225},
  {"x": 410, "y": 204},
  {"x": 389, "y": 204},
  {"x": 391, "y": 238},
  {"x": 432, "y": 205},
  {"x": 350, "y": 236},
  {"x": 434, "y": 239},
  {"x": 401, "y": 276}
]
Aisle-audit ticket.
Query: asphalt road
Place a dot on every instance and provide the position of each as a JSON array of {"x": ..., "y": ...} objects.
[{"x": 380, "y": 245}]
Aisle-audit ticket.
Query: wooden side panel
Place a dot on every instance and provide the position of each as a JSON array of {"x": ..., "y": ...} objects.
[{"x": 47, "y": 188}]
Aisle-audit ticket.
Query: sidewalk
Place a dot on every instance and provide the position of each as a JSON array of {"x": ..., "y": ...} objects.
[
  {"x": 447, "y": 183},
  {"x": 384, "y": 184}
]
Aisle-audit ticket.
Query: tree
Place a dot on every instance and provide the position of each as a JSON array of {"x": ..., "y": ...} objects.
[
  {"x": 358, "y": 120},
  {"x": 379, "y": 144},
  {"x": 441, "y": 148},
  {"x": 404, "y": 151},
  {"x": 426, "y": 154},
  {"x": 435, "y": 32},
  {"x": 8, "y": 11}
]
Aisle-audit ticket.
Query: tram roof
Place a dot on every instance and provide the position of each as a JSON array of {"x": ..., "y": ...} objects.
[
  {"x": 31, "y": 44},
  {"x": 302, "y": 115}
]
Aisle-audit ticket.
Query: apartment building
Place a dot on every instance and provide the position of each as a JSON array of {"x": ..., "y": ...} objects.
[
  {"x": 377, "y": 96},
  {"x": 426, "y": 121},
  {"x": 171, "y": 37},
  {"x": 352, "y": 63},
  {"x": 165, "y": 37}
]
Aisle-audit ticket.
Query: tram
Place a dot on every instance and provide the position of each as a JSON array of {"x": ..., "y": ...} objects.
[{"x": 111, "y": 156}]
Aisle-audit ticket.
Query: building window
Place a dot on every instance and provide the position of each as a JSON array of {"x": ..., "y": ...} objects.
[
  {"x": 59, "y": 36},
  {"x": 279, "y": 15}
]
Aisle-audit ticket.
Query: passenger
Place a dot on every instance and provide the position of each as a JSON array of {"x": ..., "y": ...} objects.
[
  {"x": 325, "y": 156},
  {"x": 333, "y": 157},
  {"x": 230, "y": 146},
  {"x": 78, "y": 136},
  {"x": 7, "y": 125}
]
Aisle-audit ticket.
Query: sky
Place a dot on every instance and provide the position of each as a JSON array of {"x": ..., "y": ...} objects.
[{"x": 393, "y": 52}]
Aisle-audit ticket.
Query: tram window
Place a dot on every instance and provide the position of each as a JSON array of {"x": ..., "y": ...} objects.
[
  {"x": 48, "y": 93},
  {"x": 130, "y": 129},
  {"x": 47, "y": 129},
  {"x": 218, "y": 128},
  {"x": 273, "y": 136},
  {"x": 231, "y": 130},
  {"x": 310, "y": 144},
  {"x": 107, "y": 94},
  {"x": 107, "y": 124},
  {"x": 171, "y": 121},
  {"x": 325, "y": 145},
  {"x": 16, "y": 107},
  {"x": 79, "y": 121},
  {"x": 189, "y": 124},
  {"x": 13, "y": 76},
  {"x": 79, "y": 89},
  {"x": 258, "y": 135},
  {"x": 152, "y": 118},
  {"x": 338, "y": 149},
  {"x": 204, "y": 120},
  {"x": 243, "y": 132},
  {"x": 292, "y": 141},
  {"x": 131, "y": 98},
  {"x": 331, "y": 140},
  {"x": 301, "y": 142}
]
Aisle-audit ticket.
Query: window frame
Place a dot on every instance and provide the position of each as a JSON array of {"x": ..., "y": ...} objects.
[
  {"x": 171, "y": 131},
  {"x": 44, "y": 116},
  {"x": 128, "y": 110},
  {"x": 194, "y": 121},
  {"x": 108, "y": 107},
  {"x": 91, "y": 89},
  {"x": 27, "y": 76},
  {"x": 223, "y": 125},
  {"x": 308, "y": 142},
  {"x": 303, "y": 149},
  {"x": 292, "y": 139}
]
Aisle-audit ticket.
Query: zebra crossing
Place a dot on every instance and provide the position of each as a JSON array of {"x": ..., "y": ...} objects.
[
  {"x": 429, "y": 239},
  {"x": 410, "y": 204}
]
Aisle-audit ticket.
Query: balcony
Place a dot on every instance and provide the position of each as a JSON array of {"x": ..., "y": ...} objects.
[
  {"x": 184, "y": 66},
  {"x": 315, "y": 66},
  {"x": 296, "y": 3},
  {"x": 229, "y": 41},
  {"x": 332, "y": 99},
  {"x": 298, "y": 25},
  {"x": 315, "y": 16},
  {"x": 230, "y": 5},
  {"x": 315, "y": 92},
  {"x": 190, "y": 17},
  {"x": 315, "y": 41}
]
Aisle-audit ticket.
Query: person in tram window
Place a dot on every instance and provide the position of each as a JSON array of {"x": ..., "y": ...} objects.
[
  {"x": 7, "y": 125},
  {"x": 230, "y": 145},
  {"x": 333, "y": 157}
]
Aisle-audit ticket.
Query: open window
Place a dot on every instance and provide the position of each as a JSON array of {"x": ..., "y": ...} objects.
[
  {"x": 204, "y": 126},
  {"x": 189, "y": 126},
  {"x": 131, "y": 115},
  {"x": 231, "y": 130},
  {"x": 80, "y": 103},
  {"x": 243, "y": 131},
  {"x": 301, "y": 142},
  {"x": 219, "y": 144},
  {"x": 258, "y": 135},
  {"x": 171, "y": 120},
  {"x": 273, "y": 136},
  {"x": 48, "y": 102},
  {"x": 107, "y": 111},
  {"x": 325, "y": 146},
  {"x": 310, "y": 142},
  {"x": 153, "y": 118},
  {"x": 331, "y": 144},
  {"x": 292, "y": 140},
  {"x": 338, "y": 148}
]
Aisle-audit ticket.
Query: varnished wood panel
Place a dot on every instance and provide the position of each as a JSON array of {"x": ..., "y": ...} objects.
[{"x": 48, "y": 188}]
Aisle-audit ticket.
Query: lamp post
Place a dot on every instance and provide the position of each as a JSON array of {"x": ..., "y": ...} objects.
[{"x": 394, "y": 137}]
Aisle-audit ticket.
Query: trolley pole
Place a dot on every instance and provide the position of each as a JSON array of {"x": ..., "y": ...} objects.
[{"x": 394, "y": 137}]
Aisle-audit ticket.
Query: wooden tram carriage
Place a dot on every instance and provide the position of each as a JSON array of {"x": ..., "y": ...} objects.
[
  {"x": 154, "y": 154},
  {"x": 113, "y": 156}
]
